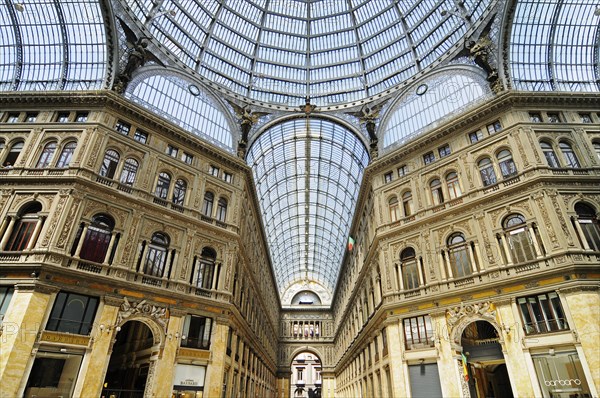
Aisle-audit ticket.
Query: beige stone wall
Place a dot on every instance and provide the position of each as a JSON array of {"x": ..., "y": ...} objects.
[{"x": 21, "y": 324}]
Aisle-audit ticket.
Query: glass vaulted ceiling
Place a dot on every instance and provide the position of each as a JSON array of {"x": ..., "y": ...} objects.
[
  {"x": 334, "y": 51},
  {"x": 307, "y": 174}
]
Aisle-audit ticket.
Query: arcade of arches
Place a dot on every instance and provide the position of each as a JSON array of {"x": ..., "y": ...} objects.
[{"x": 299, "y": 198}]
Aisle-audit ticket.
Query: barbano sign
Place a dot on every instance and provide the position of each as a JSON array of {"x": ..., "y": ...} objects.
[{"x": 562, "y": 382}]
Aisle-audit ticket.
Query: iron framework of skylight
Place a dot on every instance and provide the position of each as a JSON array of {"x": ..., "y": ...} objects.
[
  {"x": 555, "y": 45},
  {"x": 307, "y": 174},
  {"x": 334, "y": 51},
  {"x": 52, "y": 45}
]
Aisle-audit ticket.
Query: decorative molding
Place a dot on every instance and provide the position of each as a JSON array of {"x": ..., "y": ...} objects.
[{"x": 128, "y": 310}]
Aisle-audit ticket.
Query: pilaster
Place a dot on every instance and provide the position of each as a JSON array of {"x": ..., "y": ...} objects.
[
  {"x": 22, "y": 323},
  {"x": 214, "y": 374}
]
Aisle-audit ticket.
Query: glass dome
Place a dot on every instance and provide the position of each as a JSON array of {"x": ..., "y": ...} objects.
[{"x": 333, "y": 51}]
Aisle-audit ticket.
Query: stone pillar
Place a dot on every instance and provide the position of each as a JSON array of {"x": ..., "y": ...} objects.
[
  {"x": 165, "y": 367},
  {"x": 214, "y": 373},
  {"x": 449, "y": 378},
  {"x": 283, "y": 384},
  {"x": 93, "y": 367},
  {"x": 328, "y": 385},
  {"x": 395, "y": 350},
  {"x": 22, "y": 322},
  {"x": 583, "y": 312},
  {"x": 514, "y": 356}
]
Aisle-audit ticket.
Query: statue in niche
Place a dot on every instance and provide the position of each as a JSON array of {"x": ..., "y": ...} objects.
[{"x": 247, "y": 118}]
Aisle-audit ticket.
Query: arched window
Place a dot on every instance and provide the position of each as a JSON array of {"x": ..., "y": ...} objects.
[
  {"x": 394, "y": 209},
  {"x": 46, "y": 155},
  {"x": 437, "y": 195},
  {"x": 453, "y": 185},
  {"x": 407, "y": 203},
  {"x": 458, "y": 254},
  {"x": 588, "y": 225},
  {"x": 569, "y": 154},
  {"x": 486, "y": 169},
  {"x": 13, "y": 154},
  {"x": 518, "y": 238},
  {"x": 222, "y": 209},
  {"x": 207, "y": 205},
  {"x": 109, "y": 164},
  {"x": 156, "y": 256},
  {"x": 549, "y": 154},
  {"x": 410, "y": 269},
  {"x": 26, "y": 228},
  {"x": 162, "y": 185},
  {"x": 97, "y": 238},
  {"x": 129, "y": 172},
  {"x": 179, "y": 192},
  {"x": 506, "y": 163},
  {"x": 66, "y": 154},
  {"x": 206, "y": 269}
]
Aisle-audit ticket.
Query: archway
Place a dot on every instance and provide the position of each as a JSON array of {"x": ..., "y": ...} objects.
[
  {"x": 306, "y": 376},
  {"x": 130, "y": 362},
  {"x": 487, "y": 375}
]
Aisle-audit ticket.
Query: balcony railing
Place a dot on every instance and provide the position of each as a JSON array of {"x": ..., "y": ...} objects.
[{"x": 551, "y": 325}]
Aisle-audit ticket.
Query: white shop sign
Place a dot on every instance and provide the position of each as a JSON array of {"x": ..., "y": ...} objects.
[{"x": 189, "y": 375}]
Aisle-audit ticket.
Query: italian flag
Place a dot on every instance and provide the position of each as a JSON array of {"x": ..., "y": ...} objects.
[
  {"x": 350, "y": 243},
  {"x": 465, "y": 368}
]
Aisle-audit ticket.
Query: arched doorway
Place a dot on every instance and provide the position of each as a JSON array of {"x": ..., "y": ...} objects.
[
  {"x": 485, "y": 363},
  {"x": 129, "y": 363},
  {"x": 306, "y": 376}
]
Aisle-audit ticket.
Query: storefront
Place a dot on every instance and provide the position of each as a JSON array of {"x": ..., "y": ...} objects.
[
  {"x": 188, "y": 381},
  {"x": 425, "y": 380},
  {"x": 53, "y": 374},
  {"x": 561, "y": 375}
]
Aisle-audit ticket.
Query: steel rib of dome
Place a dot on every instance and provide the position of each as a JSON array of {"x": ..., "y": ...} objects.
[{"x": 333, "y": 51}]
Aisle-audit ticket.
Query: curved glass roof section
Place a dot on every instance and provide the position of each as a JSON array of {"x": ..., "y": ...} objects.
[
  {"x": 183, "y": 103},
  {"x": 52, "y": 45},
  {"x": 554, "y": 45},
  {"x": 307, "y": 174},
  {"x": 431, "y": 101},
  {"x": 333, "y": 51}
]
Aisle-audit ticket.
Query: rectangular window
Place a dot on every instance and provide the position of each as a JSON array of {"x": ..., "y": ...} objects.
[
  {"x": 81, "y": 117},
  {"x": 384, "y": 345},
  {"x": 31, "y": 117},
  {"x": 227, "y": 177},
  {"x": 6, "y": 293},
  {"x": 429, "y": 157},
  {"x": 196, "y": 332},
  {"x": 444, "y": 150},
  {"x": 140, "y": 136},
  {"x": 172, "y": 151},
  {"x": 418, "y": 332},
  {"x": 475, "y": 136},
  {"x": 123, "y": 127},
  {"x": 213, "y": 170},
  {"x": 402, "y": 170},
  {"x": 553, "y": 118},
  {"x": 62, "y": 117},
  {"x": 13, "y": 117},
  {"x": 535, "y": 117},
  {"x": 187, "y": 158},
  {"x": 542, "y": 313},
  {"x": 585, "y": 117},
  {"x": 387, "y": 177},
  {"x": 72, "y": 313},
  {"x": 494, "y": 127}
]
